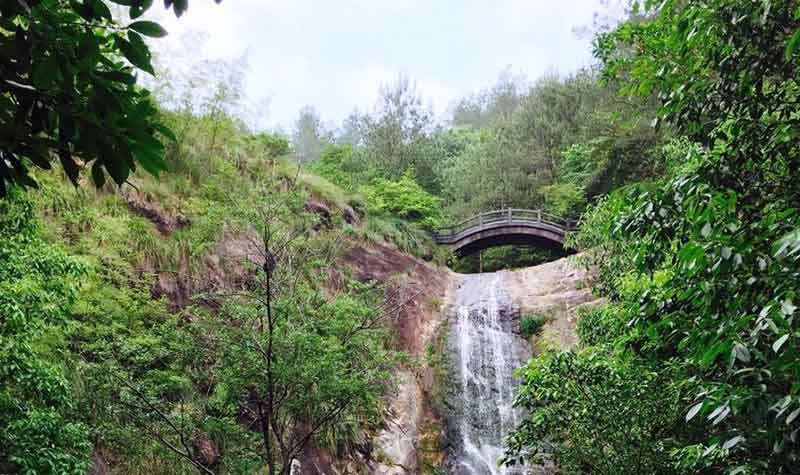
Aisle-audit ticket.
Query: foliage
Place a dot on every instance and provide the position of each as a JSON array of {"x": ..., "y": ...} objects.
[
  {"x": 301, "y": 359},
  {"x": 491, "y": 105},
  {"x": 564, "y": 142},
  {"x": 309, "y": 138},
  {"x": 399, "y": 135},
  {"x": 405, "y": 199},
  {"x": 69, "y": 89},
  {"x": 583, "y": 417},
  {"x": 564, "y": 199},
  {"x": 531, "y": 325},
  {"x": 37, "y": 285},
  {"x": 702, "y": 289},
  {"x": 332, "y": 163}
]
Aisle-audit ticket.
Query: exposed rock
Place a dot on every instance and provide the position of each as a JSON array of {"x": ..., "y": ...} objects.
[
  {"x": 206, "y": 450},
  {"x": 99, "y": 464},
  {"x": 351, "y": 217},
  {"x": 320, "y": 209},
  {"x": 397, "y": 443},
  {"x": 418, "y": 290},
  {"x": 143, "y": 205},
  {"x": 556, "y": 290}
]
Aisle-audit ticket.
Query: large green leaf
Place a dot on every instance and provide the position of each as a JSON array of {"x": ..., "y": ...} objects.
[{"x": 148, "y": 28}]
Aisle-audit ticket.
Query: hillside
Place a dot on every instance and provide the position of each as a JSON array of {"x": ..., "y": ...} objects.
[
  {"x": 158, "y": 261},
  {"x": 186, "y": 290}
]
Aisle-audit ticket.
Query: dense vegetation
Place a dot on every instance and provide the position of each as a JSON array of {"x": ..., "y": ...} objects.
[
  {"x": 692, "y": 367},
  {"x": 201, "y": 321},
  {"x": 190, "y": 323}
]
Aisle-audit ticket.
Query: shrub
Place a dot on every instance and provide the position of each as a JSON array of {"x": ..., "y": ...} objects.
[
  {"x": 405, "y": 199},
  {"x": 531, "y": 325}
]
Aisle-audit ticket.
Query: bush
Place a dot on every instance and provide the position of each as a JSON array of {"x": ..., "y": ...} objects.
[
  {"x": 531, "y": 325},
  {"x": 405, "y": 199}
]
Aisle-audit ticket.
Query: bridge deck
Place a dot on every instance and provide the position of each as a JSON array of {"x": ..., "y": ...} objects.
[{"x": 510, "y": 217}]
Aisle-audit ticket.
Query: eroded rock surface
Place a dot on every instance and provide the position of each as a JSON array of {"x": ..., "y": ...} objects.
[{"x": 555, "y": 290}]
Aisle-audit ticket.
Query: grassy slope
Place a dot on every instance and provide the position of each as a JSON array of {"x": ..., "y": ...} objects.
[{"x": 151, "y": 245}]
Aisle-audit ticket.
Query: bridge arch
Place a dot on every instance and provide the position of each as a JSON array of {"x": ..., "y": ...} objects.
[{"x": 525, "y": 227}]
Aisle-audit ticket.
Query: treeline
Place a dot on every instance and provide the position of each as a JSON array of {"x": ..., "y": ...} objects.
[
  {"x": 693, "y": 365},
  {"x": 557, "y": 144}
]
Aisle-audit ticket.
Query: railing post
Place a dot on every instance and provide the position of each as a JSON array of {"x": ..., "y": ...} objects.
[
  {"x": 480, "y": 220},
  {"x": 538, "y": 215},
  {"x": 509, "y": 215}
]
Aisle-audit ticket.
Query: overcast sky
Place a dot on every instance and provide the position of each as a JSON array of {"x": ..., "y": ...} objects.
[{"x": 334, "y": 54}]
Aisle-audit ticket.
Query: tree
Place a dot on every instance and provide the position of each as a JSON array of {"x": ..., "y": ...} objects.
[
  {"x": 398, "y": 135},
  {"x": 295, "y": 358},
  {"x": 309, "y": 136},
  {"x": 489, "y": 106},
  {"x": 583, "y": 419},
  {"x": 69, "y": 90},
  {"x": 701, "y": 268},
  {"x": 405, "y": 199}
]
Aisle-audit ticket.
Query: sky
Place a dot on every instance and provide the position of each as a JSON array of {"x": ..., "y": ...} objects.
[{"x": 335, "y": 54}]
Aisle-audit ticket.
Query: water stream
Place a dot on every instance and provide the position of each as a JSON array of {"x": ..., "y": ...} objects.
[{"x": 484, "y": 349}]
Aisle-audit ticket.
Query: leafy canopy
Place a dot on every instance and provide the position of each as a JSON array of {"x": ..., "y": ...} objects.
[
  {"x": 68, "y": 89},
  {"x": 701, "y": 268}
]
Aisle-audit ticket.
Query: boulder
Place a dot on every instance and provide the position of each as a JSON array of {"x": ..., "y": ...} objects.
[
  {"x": 320, "y": 209},
  {"x": 351, "y": 217},
  {"x": 206, "y": 451}
]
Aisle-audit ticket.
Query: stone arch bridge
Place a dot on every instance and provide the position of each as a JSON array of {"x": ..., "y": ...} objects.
[{"x": 526, "y": 227}]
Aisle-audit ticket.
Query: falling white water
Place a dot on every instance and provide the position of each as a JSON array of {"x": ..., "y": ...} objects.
[{"x": 488, "y": 351}]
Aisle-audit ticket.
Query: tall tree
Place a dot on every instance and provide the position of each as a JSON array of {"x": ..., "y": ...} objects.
[{"x": 309, "y": 136}]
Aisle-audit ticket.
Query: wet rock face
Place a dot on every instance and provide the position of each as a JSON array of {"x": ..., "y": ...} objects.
[{"x": 397, "y": 443}]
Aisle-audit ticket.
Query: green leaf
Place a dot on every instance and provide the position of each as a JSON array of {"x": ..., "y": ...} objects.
[
  {"x": 693, "y": 411},
  {"x": 148, "y": 28},
  {"x": 118, "y": 76},
  {"x": 741, "y": 352},
  {"x": 791, "y": 417},
  {"x": 135, "y": 54},
  {"x": 166, "y": 132},
  {"x": 791, "y": 46},
  {"x": 787, "y": 307},
  {"x": 152, "y": 160},
  {"x": 180, "y": 6},
  {"x": 731, "y": 443},
  {"x": 101, "y": 10},
  {"x": 45, "y": 72},
  {"x": 138, "y": 7},
  {"x": 98, "y": 176},
  {"x": 706, "y": 231},
  {"x": 776, "y": 347},
  {"x": 70, "y": 167}
]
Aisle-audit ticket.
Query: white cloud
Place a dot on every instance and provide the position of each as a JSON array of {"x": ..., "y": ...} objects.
[{"x": 335, "y": 54}]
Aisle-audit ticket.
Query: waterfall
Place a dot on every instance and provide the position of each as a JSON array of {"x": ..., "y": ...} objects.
[{"x": 484, "y": 350}]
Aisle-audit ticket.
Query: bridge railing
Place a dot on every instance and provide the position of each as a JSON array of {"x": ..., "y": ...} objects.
[{"x": 508, "y": 215}]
